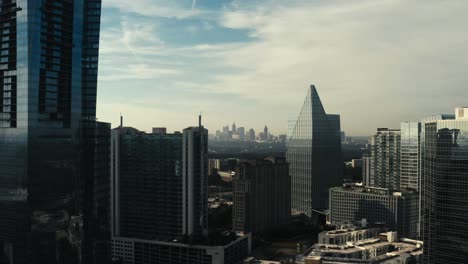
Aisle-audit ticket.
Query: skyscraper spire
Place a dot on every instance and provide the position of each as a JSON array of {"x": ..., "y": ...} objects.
[{"x": 314, "y": 155}]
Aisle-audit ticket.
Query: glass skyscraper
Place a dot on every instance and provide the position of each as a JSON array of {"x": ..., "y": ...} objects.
[
  {"x": 410, "y": 155},
  {"x": 444, "y": 184},
  {"x": 48, "y": 68},
  {"x": 314, "y": 156}
]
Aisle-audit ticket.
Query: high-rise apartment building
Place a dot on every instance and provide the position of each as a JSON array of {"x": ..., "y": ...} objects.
[
  {"x": 261, "y": 195},
  {"x": 147, "y": 184},
  {"x": 48, "y": 63},
  {"x": 195, "y": 181},
  {"x": 396, "y": 210},
  {"x": 385, "y": 159},
  {"x": 314, "y": 156},
  {"x": 366, "y": 169},
  {"x": 159, "y": 200},
  {"x": 444, "y": 184}
]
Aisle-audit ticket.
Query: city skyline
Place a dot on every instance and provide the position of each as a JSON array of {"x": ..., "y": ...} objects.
[{"x": 258, "y": 57}]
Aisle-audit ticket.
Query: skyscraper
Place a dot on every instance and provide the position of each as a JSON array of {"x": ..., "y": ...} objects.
[
  {"x": 97, "y": 195},
  {"x": 385, "y": 156},
  {"x": 251, "y": 134},
  {"x": 234, "y": 129},
  {"x": 261, "y": 195},
  {"x": 444, "y": 184},
  {"x": 314, "y": 156},
  {"x": 265, "y": 133},
  {"x": 147, "y": 184},
  {"x": 195, "y": 181},
  {"x": 241, "y": 131},
  {"x": 48, "y": 64},
  {"x": 410, "y": 155},
  {"x": 292, "y": 119}
]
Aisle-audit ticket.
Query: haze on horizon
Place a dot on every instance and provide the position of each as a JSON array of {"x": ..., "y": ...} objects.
[{"x": 375, "y": 63}]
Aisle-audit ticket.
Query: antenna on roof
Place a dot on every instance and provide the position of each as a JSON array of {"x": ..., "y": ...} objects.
[
  {"x": 199, "y": 120},
  {"x": 121, "y": 120}
]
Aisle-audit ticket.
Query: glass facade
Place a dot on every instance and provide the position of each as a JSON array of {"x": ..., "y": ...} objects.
[
  {"x": 444, "y": 183},
  {"x": 47, "y": 159},
  {"x": 314, "y": 156},
  {"x": 410, "y": 155}
]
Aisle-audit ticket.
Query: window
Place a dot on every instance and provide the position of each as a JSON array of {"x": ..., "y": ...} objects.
[{"x": 9, "y": 73}]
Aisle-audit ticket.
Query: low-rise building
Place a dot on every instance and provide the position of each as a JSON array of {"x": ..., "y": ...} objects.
[
  {"x": 140, "y": 251},
  {"x": 395, "y": 210},
  {"x": 350, "y": 244}
]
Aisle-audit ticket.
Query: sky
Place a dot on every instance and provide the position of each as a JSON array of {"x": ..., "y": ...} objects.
[{"x": 376, "y": 63}]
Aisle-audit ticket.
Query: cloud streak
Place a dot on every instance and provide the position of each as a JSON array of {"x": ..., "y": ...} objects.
[{"x": 385, "y": 60}]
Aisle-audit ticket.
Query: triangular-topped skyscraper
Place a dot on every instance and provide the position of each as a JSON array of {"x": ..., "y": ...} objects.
[{"x": 314, "y": 156}]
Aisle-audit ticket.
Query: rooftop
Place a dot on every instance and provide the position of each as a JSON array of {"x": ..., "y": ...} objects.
[{"x": 371, "y": 190}]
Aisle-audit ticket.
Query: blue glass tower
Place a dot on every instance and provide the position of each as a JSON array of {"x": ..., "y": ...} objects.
[
  {"x": 48, "y": 78},
  {"x": 444, "y": 181},
  {"x": 314, "y": 156}
]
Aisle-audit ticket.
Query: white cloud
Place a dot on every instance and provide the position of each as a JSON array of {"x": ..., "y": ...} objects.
[
  {"x": 374, "y": 62},
  {"x": 136, "y": 72},
  {"x": 157, "y": 8},
  {"x": 375, "y": 59}
]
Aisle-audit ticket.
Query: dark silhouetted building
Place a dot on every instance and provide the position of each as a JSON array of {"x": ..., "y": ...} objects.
[
  {"x": 241, "y": 132},
  {"x": 147, "y": 184},
  {"x": 160, "y": 201},
  {"x": 252, "y": 136},
  {"x": 314, "y": 156},
  {"x": 195, "y": 181},
  {"x": 48, "y": 64},
  {"x": 140, "y": 251},
  {"x": 262, "y": 194},
  {"x": 385, "y": 159},
  {"x": 444, "y": 185}
]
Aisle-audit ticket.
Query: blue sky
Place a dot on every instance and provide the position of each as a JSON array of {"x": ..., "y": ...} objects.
[{"x": 374, "y": 62}]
